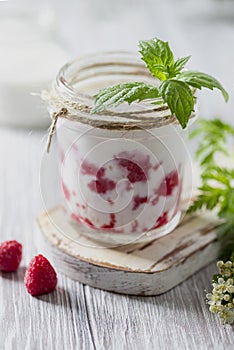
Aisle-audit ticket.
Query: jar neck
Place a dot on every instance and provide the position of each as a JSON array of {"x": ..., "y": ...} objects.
[
  {"x": 81, "y": 79},
  {"x": 78, "y": 81},
  {"x": 71, "y": 96}
]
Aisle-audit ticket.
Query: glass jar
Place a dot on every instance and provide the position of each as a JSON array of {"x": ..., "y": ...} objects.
[{"x": 121, "y": 171}]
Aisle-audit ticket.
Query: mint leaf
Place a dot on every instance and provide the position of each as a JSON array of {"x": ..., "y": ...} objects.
[
  {"x": 158, "y": 57},
  {"x": 179, "y": 98},
  {"x": 126, "y": 92},
  {"x": 199, "y": 80},
  {"x": 179, "y": 65}
]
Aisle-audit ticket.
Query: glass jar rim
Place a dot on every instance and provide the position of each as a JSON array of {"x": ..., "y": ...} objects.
[
  {"x": 125, "y": 64},
  {"x": 86, "y": 62},
  {"x": 69, "y": 101}
]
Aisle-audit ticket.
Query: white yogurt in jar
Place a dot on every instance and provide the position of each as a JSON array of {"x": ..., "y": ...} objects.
[{"x": 122, "y": 183}]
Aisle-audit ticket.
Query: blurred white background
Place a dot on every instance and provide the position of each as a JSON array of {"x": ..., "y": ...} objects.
[{"x": 202, "y": 28}]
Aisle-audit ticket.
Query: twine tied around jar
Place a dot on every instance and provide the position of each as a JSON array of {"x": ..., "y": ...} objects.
[
  {"x": 63, "y": 108},
  {"x": 67, "y": 100}
]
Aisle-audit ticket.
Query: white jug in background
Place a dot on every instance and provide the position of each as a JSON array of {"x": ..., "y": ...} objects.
[{"x": 30, "y": 55}]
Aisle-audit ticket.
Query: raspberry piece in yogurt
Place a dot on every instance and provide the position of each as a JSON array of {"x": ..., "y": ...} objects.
[
  {"x": 168, "y": 184},
  {"x": 162, "y": 220},
  {"x": 66, "y": 191},
  {"x": 137, "y": 165},
  {"x": 102, "y": 184},
  {"x": 88, "y": 168},
  {"x": 112, "y": 222},
  {"x": 172, "y": 181},
  {"x": 138, "y": 201}
]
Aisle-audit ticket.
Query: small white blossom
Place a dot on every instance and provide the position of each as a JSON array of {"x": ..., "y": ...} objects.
[
  {"x": 228, "y": 264},
  {"x": 230, "y": 289},
  {"x": 213, "y": 308},
  {"x": 226, "y": 297},
  {"x": 221, "y": 300},
  {"x": 220, "y": 280},
  {"x": 227, "y": 273},
  {"x": 220, "y": 264}
]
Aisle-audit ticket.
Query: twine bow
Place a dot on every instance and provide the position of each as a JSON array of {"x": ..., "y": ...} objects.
[
  {"x": 61, "y": 108},
  {"x": 61, "y": 113}
]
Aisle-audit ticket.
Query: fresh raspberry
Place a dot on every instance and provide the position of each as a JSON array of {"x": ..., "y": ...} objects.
[
  {"x": 10, "y": 256},
  {"x": 40, "y": 277}
]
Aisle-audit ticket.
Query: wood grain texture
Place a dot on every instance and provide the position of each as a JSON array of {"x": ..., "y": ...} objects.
[
  {"x": 149, "y": 268},
  {"x": 77, "y": 316}
]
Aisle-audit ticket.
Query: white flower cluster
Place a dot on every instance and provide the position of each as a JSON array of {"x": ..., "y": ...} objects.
[{"x": 221, "y": 300}]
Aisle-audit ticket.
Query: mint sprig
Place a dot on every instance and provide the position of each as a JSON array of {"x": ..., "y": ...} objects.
[{"x": 173, "y": 86}]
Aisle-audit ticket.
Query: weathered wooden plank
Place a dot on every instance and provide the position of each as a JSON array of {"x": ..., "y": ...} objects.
[{"x": 148, "y": 269}]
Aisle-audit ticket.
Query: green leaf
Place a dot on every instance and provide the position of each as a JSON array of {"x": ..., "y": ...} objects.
[
  {"x": 197, "y": 205},
  {"x": 215, "y": 128},
  {"x": 126, "y": 92},
  {"x": 214, "y": 134},
  {"x": 179, "y": 65},
  {"x": 158, "y": 57},
  {"x": 179, "y": 98},
  {"x": 199, "y": 80}
]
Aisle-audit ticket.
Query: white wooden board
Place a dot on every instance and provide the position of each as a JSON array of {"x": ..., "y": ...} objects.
[{"x": 144, "y": 269}]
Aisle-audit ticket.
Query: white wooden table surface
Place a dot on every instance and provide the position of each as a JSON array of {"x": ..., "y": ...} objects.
[{"x": 77, "y": 316}]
